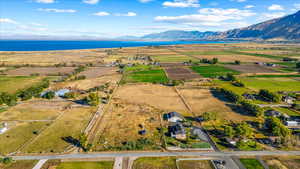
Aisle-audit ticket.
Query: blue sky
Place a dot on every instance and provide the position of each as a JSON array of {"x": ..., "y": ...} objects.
[{"x": 114, "y": 18}]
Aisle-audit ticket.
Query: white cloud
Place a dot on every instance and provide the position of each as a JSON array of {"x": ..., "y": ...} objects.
[
  {"x": 249, "y": 6},
  {"x": 145, "y": 1},
  {"x": 92, "y": 2},
  {"x": 182, "y": 3},
  {"x": 297, "y": 6},
  {"x": 267, "y": 16},
  {"x": 275, "y": 7},
  {"x": 45, "y": 1},
  {"x": 57, "y": 10},
  {"x": 101, "y": 14},
  {"x": 238, "y": 0},
  {"x": 214, "y": 17},
  {"x": 7, "y": 20},
  {"x": 126, "y": 14}
]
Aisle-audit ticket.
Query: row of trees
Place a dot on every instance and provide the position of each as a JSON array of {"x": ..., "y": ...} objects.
[
  {"x": 34, "y": 91},
  {"x": 212, "y": 61},
  {"x": 242, "y": 130},
  {"x": 269, "y": 96}
]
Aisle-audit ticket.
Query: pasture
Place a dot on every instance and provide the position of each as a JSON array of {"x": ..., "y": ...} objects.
[
  {"x": 43, "y": 71},
  {"x": 145, "y": 74},
  {"x": 213, "y": 71},
  {"x": 86, "y": 165},
  {"x": 95, "y": 72},
  {"x": 11, "y": 84},
  {"x": 155, "y": 163}
]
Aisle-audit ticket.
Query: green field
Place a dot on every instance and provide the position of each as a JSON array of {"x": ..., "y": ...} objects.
[
  {"x": 251, "y": 163},
  {"x": 26, "y": 164},
  {"x": 227, "y": 85},
  {"x": 86, "y": 165},
  {"x": 272, "y": 84},
  {"x": 287, "y": 111},
  {"x": 155, "y": 163},
  {"x": 212, "y": 71},
  {"x": 144, "y": 74},
  {"x": 274, "y": 76},
  {"x": 12, "y": 84}
]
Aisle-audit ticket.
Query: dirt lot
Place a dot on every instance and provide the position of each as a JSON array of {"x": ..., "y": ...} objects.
[
  {"x": 94, "y": 72},
  {"x": 88, "y": 83},
  {"x": 44, "y": 71},
  {"x": 180, "y": 73},
  {"x": 158, "y": 96},
  {"x": 251, "y": 68},
  {"x": 195, "y": 165},
  {"x": 283, "y": 162},
  {"x": 122, "y": 123}
]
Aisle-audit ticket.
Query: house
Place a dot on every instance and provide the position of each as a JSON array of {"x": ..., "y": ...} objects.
[
  {"x": 3, "y": 128},
  {"x": 293, "y": 121},
  {"x": 231, "y": 141},
  {"x": 173, "y": 117},
  {"x": 249, "y": 96},
  {"x": 177, "y": 131},
  {"x": 288, "y": 99},
  {"x": 273, "y": 113},
  {"x": 62, "y": 92}
]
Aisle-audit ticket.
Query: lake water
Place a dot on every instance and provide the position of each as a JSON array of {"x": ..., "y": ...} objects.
[{"x": 34, "y": 45}]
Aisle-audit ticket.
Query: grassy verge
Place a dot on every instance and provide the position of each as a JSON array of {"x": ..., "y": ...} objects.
[
  {"x": 86, "y": 165},
  {"x": 26, "y": 164},
  {"x": 12, "y": 84},
  {"x": 251, "y": 164},
  {"x": 155, "y": 163}
]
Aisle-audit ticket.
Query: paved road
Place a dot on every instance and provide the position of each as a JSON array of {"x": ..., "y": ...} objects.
[
  {"x": 40, "y": 164},
  {"x": 157, "y": 154},
  {"x": 118, "y": 163}
]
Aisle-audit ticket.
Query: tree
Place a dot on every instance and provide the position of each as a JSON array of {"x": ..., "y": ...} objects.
[
  {"x": 277, "y": 128},
  {"x": 244, "y": 130},
  {"x": 237, "y": 62},
  {"x": 6, "y": 160},
  {"x": 269, "y": 96},
  {"x": 208, "y": 116},
  {"x": 298, "y": 65},
  {"x": 93, "y": 99},
  {"x": 229, "y": 131},
  {"x": 49, "y": 95},
  {"x": 230, "y": 77},
  {"x": 251, "y": 108},
  {"x": 214, "y": 61}
]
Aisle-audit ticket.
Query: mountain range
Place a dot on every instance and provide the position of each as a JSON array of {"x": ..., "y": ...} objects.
[{"x": 284, "y": 28}]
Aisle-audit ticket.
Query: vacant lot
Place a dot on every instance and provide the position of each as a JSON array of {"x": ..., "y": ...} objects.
[
  {"x": 94, "y": 72},
  {"x": 57, "y": 137},
  {"x": 213, "y": 71},
  {"x": 195, "y": 165},
  {"x": 26, "y": 164},
  {"x": 34, "y": 110},
  {"x": 283, "y": 162},
  {"x": 19, "y": 134},
  {"x": 180, "y": 73},
  {"x": 155, "y": 163},
  {"x": 87, "y": 83},
  {"x": 251, "y": 68},
  {"x": 272, "y": 84},
  {"x": 118, "y": 133},
  {"x": 45, "y": 71},
  {"x": 12, "y": 84},
  {"x": 86, "y": 165},
  {"x": 158, "y": 96}
]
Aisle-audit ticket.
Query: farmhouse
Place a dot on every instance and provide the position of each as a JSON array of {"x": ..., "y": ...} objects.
[
  {"x": 288, "y": 99},
  {"x": 293, "y": 121},
  {"x": 273, "y": 113},
  {"x": 177, "y": 131},
  {"x": 3, "y": 128},
  {"x": 173, "y": 117}
]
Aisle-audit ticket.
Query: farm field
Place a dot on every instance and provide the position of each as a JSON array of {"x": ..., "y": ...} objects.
[
  {"x": 159, "y": 96},
  {"x": 86, "y": 165},
  {"x": 180, "y": 73},
  {"x": 60, "y": 133},
  {"x": 155, "y": 163},
  {"x": 95, "y": 72},
  {"x": 118, "y": 133},
  {"x": 11, "y": 84},
  {"x": 43, "y": 71},
  {"x": 34, "y": 110},
  {"x": 145, "y": 74},
  {"x": 195, "y": 164},
  {"x": 19, "y": 134},
  {"x": 250, "y": 68},
  {"x": 213, "y": 71},
  {"x": 172, "y": 58},
  {"x": 272, "y": 84}
]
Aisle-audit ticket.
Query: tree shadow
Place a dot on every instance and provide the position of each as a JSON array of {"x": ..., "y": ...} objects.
[{"x": 71, "y": 140}]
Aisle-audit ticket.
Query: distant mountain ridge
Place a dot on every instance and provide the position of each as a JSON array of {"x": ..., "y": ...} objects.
[{"x": 285, "y": 28}]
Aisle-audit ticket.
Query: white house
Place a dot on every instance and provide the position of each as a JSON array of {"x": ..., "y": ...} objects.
[{"x": 174, "y": 117}]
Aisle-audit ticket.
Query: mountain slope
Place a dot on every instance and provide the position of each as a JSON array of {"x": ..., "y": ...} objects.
[
  {"x": 285, "y": 28},
  {"x": 181, "y": 35}
]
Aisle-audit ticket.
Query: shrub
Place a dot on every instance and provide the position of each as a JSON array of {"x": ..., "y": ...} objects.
[
  {"x": 230, "y": 95},
  {"x": 209, "y": 116},
  {"x": 251, "y": 108},
  {"x": 269, "y": 96},
  {"x": 49, "y": 95}
]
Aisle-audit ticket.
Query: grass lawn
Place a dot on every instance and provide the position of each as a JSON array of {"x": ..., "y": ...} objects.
[
  {"x": 195, "y": 165},
  {"x": 69, "y": 125},
  {"x": 272, "y": 84},
  {"x": 155, "y": 163},
  {"x": 86, "y": 165},
  {"x": 212, "y": 71},
  {"x": 12, "y": 84},
  {"x": 229, "y": 86},
  {"x": 251, "y": 163},
  {"x": 145, "y": 74},
  {"x": 26, "y": 164},
  {"x": 287, "y": 111},
  {"x": 18, "y": 135}
]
